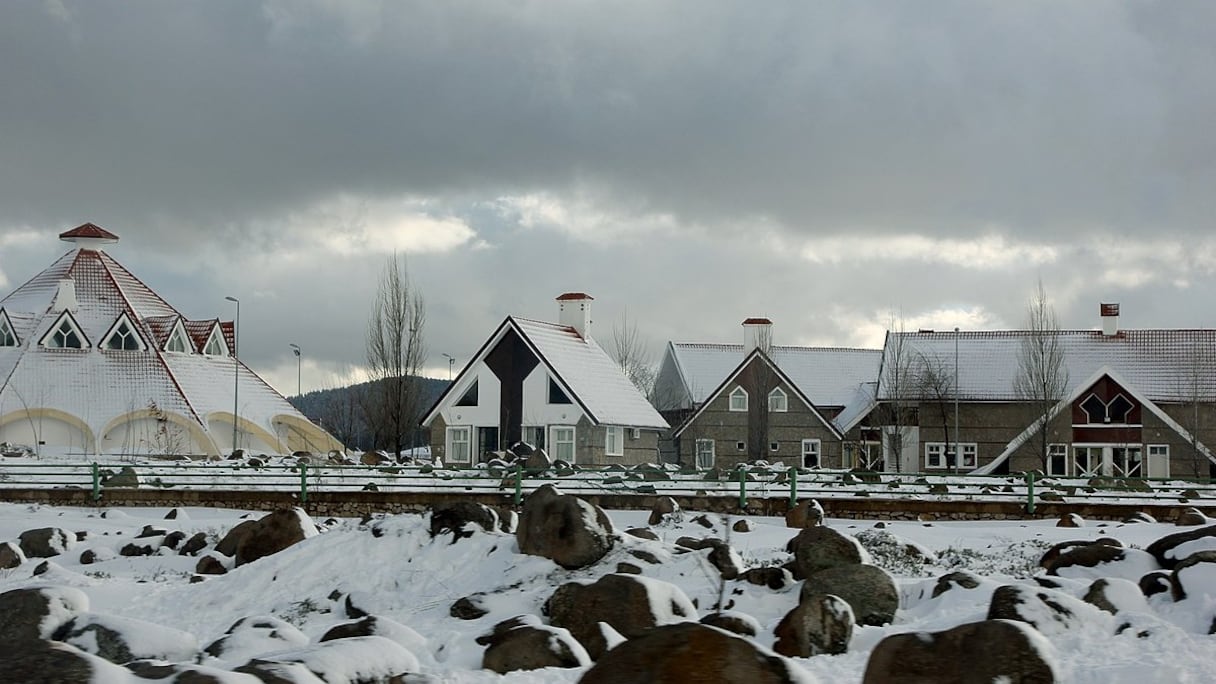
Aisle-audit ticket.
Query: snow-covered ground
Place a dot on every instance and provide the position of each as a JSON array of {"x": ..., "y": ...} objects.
[{"x": 404, "y": 575}]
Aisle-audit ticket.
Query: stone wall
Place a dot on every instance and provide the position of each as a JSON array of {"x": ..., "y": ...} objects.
[{"x": 357, "y": 504}]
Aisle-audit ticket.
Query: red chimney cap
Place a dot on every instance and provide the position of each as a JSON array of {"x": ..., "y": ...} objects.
[
  {"x": 574, "y": 296},
  {"x": 90, "y": 231},
  {"x": 757, "y": 321},
  {"x": 1110, "y": 309}
]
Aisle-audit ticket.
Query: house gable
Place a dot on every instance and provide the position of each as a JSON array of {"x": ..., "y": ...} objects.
[{"x": 1106, "y": 387}]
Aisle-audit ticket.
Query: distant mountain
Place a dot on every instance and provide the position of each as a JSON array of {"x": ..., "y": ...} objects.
[{"x": 338, "y": 411}]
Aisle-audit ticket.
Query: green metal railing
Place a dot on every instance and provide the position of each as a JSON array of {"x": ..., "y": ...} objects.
[{"x": 792, "y": 484}]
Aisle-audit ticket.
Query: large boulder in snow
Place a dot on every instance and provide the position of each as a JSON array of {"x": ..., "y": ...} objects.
[
  {"x": 819, "y": 548},
  {"x": 1172, "y": 548},
  {"x": 629, "y": 604},
  {"x": 664, "y": 508},
  {"x": 121, "y": 640},
  {"x": 1049, "y": 611},
  {"x": 52, "y": 662},
  {"x": 1049, "y": 558},
  {"x": 44, "y": 542},
  {"x": 32, "y": 614},
  {"x": 807, "y": 513},
  {"x": 868, "y": 590},
  {"x": 1115, "y": 595},
  {"x": 989, "y": 651},
  {"x": 358, "y": 659},
  {"x": 10, "y": 556},
  {"x": 690, "y": 652},
  {"x": 227, "y": 545},
  {"x": 270, "y": 534},
  {"x": 375, "y": 625},
  {"x": 254, "y": 635},
  {"x": 456, "y": 517},
  {"x": 818, "y": 624},
  {"x": 524, "y": 643},
  {"x": 564, "y": 529},
  {"x": 1095, "y": 561},
  {"x": 1194, "y": 575}
]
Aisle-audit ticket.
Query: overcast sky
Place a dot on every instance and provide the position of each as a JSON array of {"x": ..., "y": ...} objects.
[{"x": 690, "y": 163}]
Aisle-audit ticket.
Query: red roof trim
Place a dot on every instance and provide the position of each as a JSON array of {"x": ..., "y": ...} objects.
[
  {"x": 574, "y": 296},
  {"x": 88, "y": 230}
]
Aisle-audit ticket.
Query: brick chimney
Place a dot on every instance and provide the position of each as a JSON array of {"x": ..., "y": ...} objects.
[
  {"x": 1110, "y": 319},
  {"x": 757, "y": 332},
  {"x": 574, "y": 310}
]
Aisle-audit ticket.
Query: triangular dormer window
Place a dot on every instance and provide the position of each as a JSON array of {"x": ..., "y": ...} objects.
[
  {"x": 178, "y": 342},
  {"x": 8, "y": 338},
  {"x": 215, "y": 344},
  {"x": 469, "y": 398},
  {"x": 65, "y": 334},
  {"x": 122, "y": 337},
  {"x": 556, "y": 395}
]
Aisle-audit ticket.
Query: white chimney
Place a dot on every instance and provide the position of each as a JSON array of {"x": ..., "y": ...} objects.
[
  {"x": 65, "y": 298},
  {"x": 1110, "y": 319},
  {"x": 574, "y": 310},
  {"x": 757, "y": 333}
]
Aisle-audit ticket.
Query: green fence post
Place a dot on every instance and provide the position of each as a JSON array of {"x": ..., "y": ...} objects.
[
  {"x": 1030, "y": 492},
  {"x": 96, "y": 482},
  {"x": 793, "y": 486},
  {"x": 742, "y": 489},
  {"x": 303, "y": 482},
  {"x": 519, "y": 483}
]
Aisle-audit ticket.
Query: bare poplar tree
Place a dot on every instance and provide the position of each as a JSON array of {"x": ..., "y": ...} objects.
[
  {"x": 395, "y": 353},
  {"x": 1195, "y": 389},
  {"x": 935, "y": 386},
  {"x": 1042, "y": 376},
  {"x": 898, "y": 387},
  {"x": 630, "y": 352}
]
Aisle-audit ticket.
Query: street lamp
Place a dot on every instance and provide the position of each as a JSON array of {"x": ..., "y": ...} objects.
[
  {"x": 236, "y": 370},
  {"x": 958, "y": 451},
  {"x": 451, "y": 362},
  {"x": 295, "y": 348}
]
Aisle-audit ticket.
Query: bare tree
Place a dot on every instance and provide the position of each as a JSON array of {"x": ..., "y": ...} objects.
[
  {"x": 1195, "y": 389},
  {"x": 935, "y": 387},
  {"x": 395, "y": 353},
  {"x": 340, "y": 413},
  {"x": 629, "y": 350},
  {"x": 898, "y": 387},
  {"x": 1042, "y": 376}
]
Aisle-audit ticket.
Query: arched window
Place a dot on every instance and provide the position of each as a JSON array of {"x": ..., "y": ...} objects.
[
  {"x": 778, "y": 402},
  {"x": 738, "y": 399}
]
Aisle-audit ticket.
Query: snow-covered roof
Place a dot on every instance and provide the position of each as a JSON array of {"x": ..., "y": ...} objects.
[
  {"x": 857, "y": 408},
  {"x": 1164, "y": 365},
  {"x": 98, "y": 386},
  {"x": 595, "y": 382},
  {"x": 828, "y": 376}
]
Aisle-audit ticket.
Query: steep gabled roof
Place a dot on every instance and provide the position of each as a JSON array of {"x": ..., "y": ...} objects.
[
  {"x": 856, "y": 410},
  {"x": 1077, "y": 390},
  {"x": 731, "y": 378},
  {"x": 828, "y": 376},
  {"x": 589, "y": 376},
  {"x": 1165, "y": 365}
]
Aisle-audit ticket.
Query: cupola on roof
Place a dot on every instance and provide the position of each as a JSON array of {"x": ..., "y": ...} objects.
[{"x": 88, "y": 235}]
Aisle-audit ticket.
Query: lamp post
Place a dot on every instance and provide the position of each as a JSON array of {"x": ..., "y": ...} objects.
[
  {"x": 958, "y": 450},
  {"x": 236, "y": 370},
  {"x": 295, "y": 348},
  {"x": 451, "y": 362}
]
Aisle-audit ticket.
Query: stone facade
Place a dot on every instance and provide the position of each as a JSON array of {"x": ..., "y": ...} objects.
[{"x": 742, "y": 436}]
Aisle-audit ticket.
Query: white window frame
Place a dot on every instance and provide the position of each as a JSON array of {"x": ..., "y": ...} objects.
[
  {"x": 216, "y": 344},
  {"x": 614, "y": 440},
  {"x": 937, "y": 450},
  {"x": 741, "y": 446},
  {"x": 774, "y": 447},
  {"x": 739, "y": 394},
  {"x": 559, "y": 444},
  {"x": 8, "y": 336},
  {"x": 704, "y": 456},
  {"x": 1120, "y": 469},
  {"x": 1058, "y": 450},
  {"x": 778, "y": 401},
  {"x": 812, "y": 447},
  {"x": 65, "y": 320},
  {"x": 455, "y": 440},
  {"x": 178, "y": 338},
  {"x": 114, "y": 334},
  {"x": 1094, "y": 464}
]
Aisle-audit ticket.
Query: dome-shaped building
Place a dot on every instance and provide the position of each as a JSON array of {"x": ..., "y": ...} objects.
[{"x": 93, "y": 361}]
